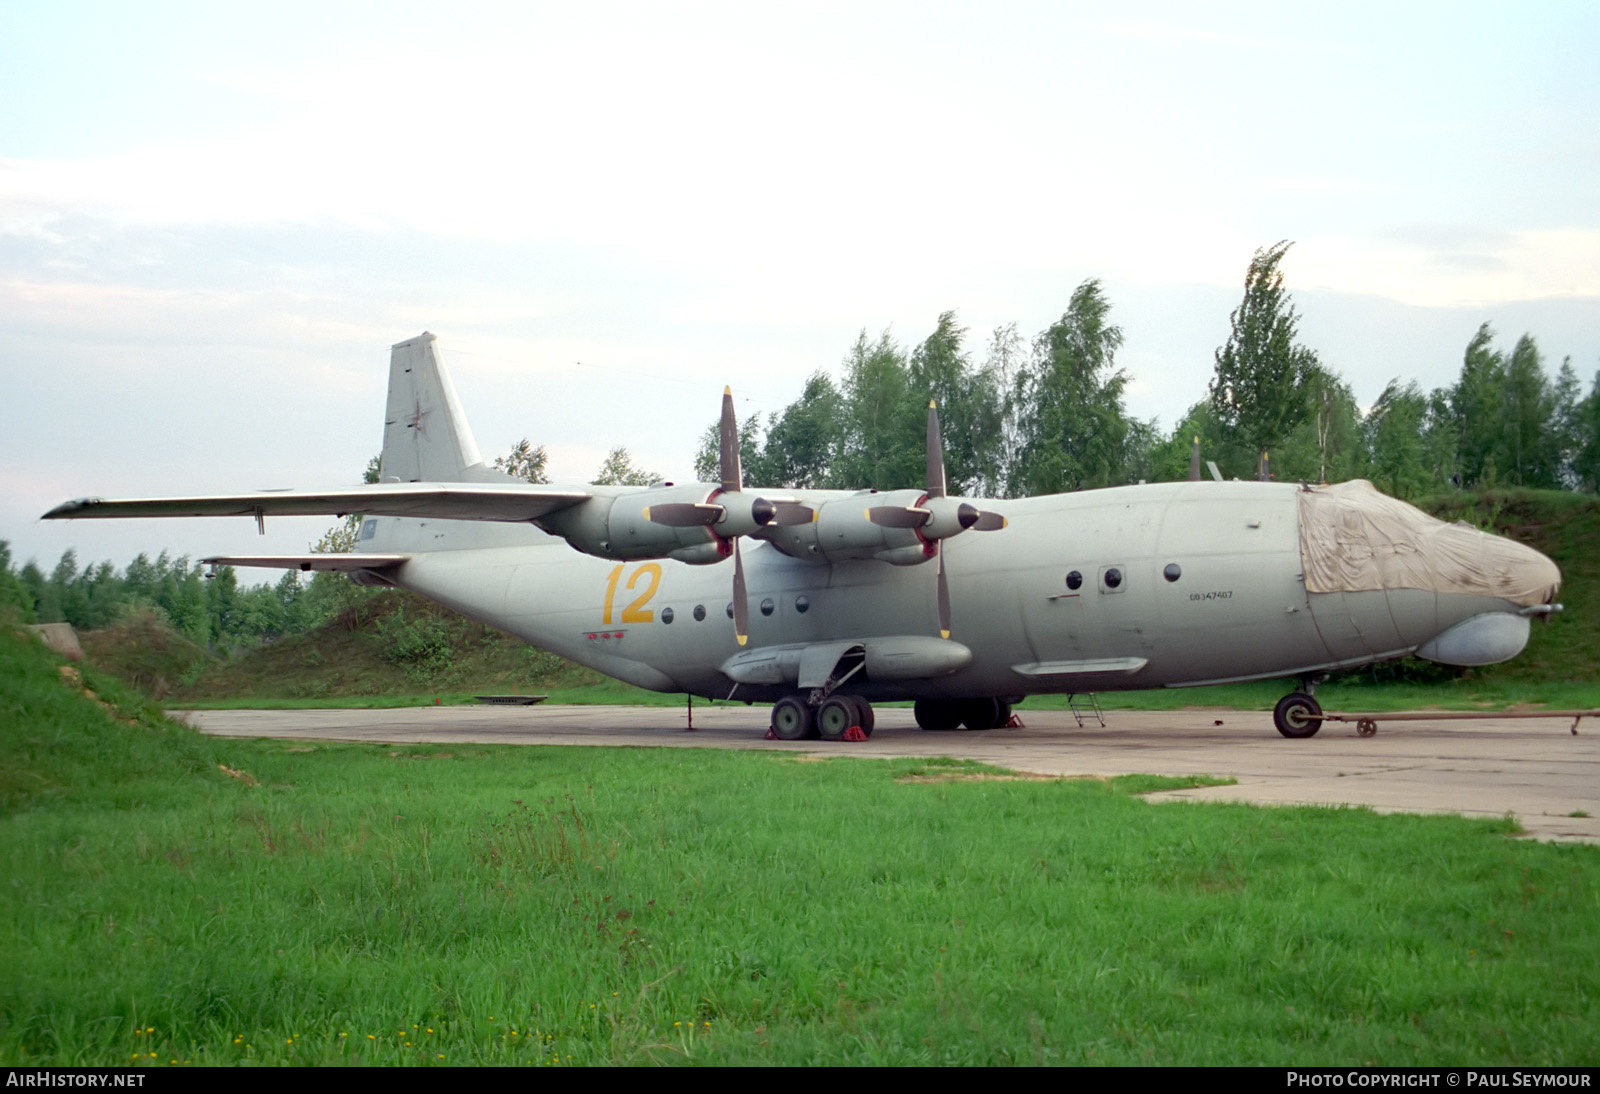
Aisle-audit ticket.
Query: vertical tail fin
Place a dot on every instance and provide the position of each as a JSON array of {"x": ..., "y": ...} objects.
[{"x": 426, "y": 437}]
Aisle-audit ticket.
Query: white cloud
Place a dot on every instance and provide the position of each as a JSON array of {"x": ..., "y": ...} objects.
[{"x": 1464, "y": 269}]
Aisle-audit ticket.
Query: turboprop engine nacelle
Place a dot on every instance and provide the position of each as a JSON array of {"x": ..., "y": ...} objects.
[
  {"x": 618, "y": 526},
  {"x": 692, "y": 523},
  {"x": 899, "y": 527}
]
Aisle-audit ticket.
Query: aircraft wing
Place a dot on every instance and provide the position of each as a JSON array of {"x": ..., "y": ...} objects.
[
  {"x": 512, "y": 502},
  {"x": 345, "y": 563}
]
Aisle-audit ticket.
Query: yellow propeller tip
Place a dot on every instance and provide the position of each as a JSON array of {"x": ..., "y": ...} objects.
[
  {"x": 743, "y": 638},
  {"x": 944, "y": 634},
  {"x": 727, "y": 390}
]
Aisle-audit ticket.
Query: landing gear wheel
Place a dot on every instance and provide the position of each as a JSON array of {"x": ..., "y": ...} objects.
[
  {"x": 835, "y": 716},
  {"x": 864, "y": 715},
  {"x": 938, "y": 714},
  {"x": 791, "y": 719},
  {"x": 981, "y": 714},
  {"x": 1366, "y": 727},
  {"x": 1297, "y": 715}
]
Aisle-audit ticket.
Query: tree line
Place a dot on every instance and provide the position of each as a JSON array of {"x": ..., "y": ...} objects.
[
  {"x": 215, "y": 613},
  {"x": 1047, "y": 415}
]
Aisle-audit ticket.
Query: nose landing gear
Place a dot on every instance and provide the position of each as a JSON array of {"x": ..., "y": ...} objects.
[{"x": 1297, "y": 715}]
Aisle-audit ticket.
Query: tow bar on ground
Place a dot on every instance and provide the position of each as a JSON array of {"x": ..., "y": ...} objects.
[{"x": 1367, "y": 724}]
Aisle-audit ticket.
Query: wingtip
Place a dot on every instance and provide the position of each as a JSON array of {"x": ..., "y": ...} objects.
[{"x": 69, "y": 509}]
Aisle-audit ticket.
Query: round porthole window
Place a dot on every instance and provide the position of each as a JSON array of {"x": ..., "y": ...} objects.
[
  {"x": 699, "y": 613},
  {"x": 666, "y": 615},
  {"x": 1173, "y": 571},
  {"x": 801, "y": 603},
  {"x": 768, "y": 606},
  {"x": 1113, "y": 578},
  {"x": 1074, "y": 580}
]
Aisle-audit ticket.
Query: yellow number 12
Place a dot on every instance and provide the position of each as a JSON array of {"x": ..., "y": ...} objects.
[{"x": 635, "y": 612}]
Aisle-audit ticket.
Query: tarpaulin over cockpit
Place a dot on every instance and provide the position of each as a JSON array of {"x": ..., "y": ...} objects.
[{"x": 1353, "y": 539}]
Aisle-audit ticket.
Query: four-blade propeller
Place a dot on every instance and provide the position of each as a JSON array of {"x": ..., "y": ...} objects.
[
  {"x": 730, "y": 513},
  {"x": 936, "y": 516}
]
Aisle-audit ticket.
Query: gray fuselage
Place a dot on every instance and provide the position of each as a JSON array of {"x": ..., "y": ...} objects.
[{"x": 1177, "y": 584}]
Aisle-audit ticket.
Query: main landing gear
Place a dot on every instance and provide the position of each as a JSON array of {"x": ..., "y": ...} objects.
[
  {"x": 838, "y": 716},
  {"x": 1297, "y": 714},
  {"x": 978, "y": 714},
  {"x": 793, "y": 719}
]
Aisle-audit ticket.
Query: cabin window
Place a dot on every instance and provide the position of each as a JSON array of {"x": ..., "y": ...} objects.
[
  {"x": 768, "y": 606},
  {"x": 666, "y": 615},
  {"x": 1112, "y": 578},
  {"x": 699, "y": 613},
  {"x": 801, "y": 603},
  {"x": 1173, "y": 571},
  {"x": 1074, "y": 580}
]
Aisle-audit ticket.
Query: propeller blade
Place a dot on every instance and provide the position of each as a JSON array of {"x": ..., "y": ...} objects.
[
  {"x": 732, "y": 475},
  {"x": 935, "y": 454},
  {"x": 944, "y": 600},
  {"x": 741, "y": 605},
  {"x": 788, "y": 513},
  {"x": 898, "y": 516},
  {"x": 683, "y": 514},
  {"x": 989, "y": 522}
]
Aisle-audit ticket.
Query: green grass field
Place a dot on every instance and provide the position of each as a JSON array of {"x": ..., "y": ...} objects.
[{"x": 171, "y": 898}]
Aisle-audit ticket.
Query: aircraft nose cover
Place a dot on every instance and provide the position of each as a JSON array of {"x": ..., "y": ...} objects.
[{"x": 1354, "y": 539}]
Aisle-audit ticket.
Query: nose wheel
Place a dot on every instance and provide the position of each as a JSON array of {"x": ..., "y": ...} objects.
[{"x": 1297, "y": 715}]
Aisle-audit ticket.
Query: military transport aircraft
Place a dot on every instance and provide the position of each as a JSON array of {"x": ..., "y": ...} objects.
[{"x": 964, "y": 606}]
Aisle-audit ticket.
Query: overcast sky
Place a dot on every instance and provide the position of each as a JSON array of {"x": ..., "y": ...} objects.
[{"x": 216, "y": 218}]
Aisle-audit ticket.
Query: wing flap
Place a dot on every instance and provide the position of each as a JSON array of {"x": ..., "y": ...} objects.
[{"x": 510, "y": 502}]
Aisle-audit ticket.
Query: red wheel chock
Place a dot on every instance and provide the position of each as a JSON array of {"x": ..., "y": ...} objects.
[
  {"x": 855, "y": 733},
  {"x": 1015, "y": 722}
]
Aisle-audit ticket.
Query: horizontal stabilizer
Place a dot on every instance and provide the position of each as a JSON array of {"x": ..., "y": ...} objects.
[
  {"x": 346, "y": 563},
  {"x": 439, "y": 500}
]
